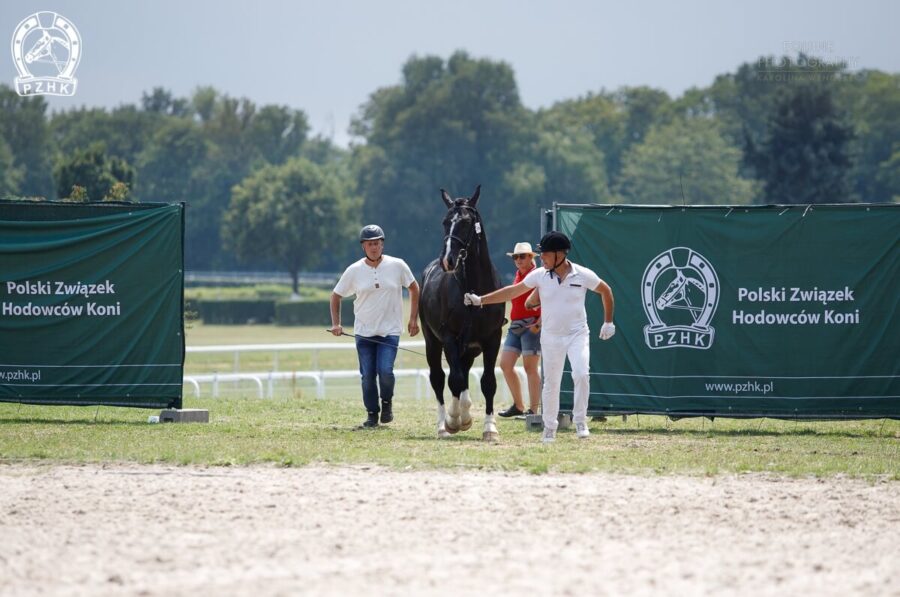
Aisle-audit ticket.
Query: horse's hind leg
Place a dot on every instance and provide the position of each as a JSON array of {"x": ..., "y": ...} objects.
[
  {"x": 489, "y": 388},
  {"x": 436, "y": 377}
]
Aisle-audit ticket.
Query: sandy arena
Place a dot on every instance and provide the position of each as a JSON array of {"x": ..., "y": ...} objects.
[{"x": 126, "y": 529}]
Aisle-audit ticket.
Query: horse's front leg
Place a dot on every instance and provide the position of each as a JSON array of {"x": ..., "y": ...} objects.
[
  {"x": 436, "y": 377},
  {"x": 489, "y": 387},
  {"x": 465, "y": 401},
  {"x": 458, "y": 384}
]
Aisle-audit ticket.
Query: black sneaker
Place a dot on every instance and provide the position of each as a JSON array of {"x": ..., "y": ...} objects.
[
  {"x": 512, "y": 411},
  {"x": 370, "y": 422},
  {"x": 387, "y": 413}
]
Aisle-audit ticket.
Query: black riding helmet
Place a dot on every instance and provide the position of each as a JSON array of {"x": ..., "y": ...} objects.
[
  {"x": 554, "y": 241},
  {"x": 371, "y": 232}
]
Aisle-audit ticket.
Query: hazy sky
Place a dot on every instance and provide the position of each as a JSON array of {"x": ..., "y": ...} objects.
[{"x": 327, "y": 57}]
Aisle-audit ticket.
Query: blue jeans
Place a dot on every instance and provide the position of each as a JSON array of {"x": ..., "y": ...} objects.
[{"x": 377, "y": 359}]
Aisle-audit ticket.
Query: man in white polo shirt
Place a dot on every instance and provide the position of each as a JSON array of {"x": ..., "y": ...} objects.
[
  {"x": 561, "y": 286},
  {"x": 378, "y": 281}
]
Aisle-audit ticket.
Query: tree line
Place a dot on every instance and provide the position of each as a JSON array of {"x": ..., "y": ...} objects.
[{"x": 261, "y": 192}]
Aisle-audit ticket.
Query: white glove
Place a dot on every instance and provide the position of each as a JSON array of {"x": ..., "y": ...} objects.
[
  {"x": 471, "y": 299},
  {"x": 607, "y": 331}
]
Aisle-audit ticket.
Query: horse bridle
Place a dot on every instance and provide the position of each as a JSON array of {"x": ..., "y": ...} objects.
[
  {"x": 473, "y": 232},
  {"x": 461, "y": 266}
]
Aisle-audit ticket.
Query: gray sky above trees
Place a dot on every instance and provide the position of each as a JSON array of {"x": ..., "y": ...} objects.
[{"x": 327, "y": 57}]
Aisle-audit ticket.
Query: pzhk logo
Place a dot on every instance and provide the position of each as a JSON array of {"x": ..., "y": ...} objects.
[
  {"x": 680, "y": 293},
  {"x": 46, "y": 49}
]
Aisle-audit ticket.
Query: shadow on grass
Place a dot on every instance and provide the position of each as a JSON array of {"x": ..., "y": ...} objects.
[
  {"x": 713, "y": 432},
  {"x": 85, "y": 421}
]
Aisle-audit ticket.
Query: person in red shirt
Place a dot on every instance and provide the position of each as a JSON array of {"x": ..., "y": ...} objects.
[{"x": 523, "y": 338}]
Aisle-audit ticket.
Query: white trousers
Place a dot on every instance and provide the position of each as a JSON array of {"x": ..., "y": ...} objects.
[{"x": 554, "y": 350}]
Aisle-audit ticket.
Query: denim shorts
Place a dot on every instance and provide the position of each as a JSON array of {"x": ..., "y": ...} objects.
[{"x": 527, "y": 343}]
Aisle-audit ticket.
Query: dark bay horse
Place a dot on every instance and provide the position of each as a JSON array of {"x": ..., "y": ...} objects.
[{"x": 461, "y": 332}]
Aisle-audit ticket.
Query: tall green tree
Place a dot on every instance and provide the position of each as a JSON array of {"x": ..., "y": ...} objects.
[
  {"x": 278, "y": 132},
  {"x": 291, "y": 214},
  {"x": 872, "y": 101},
  {"x": 169, "y": 165},
  {"x": 23, "y": 124},
  {"x": 744, "y": 102},
  {"x": 10, "y": 175},
  {"x": 692, "y": 153},
  {"x": 94, "y": 170},
  {"x": 451, "y": 124},
  {"x": 124, "y": 131},
  {"x": 615, "y": 121},
  {"x": 161, "y": 101},
  {"x": 805, "y": 155},
  {"x": 601, "y": 117},
  {"x": 572, "y": 170}
]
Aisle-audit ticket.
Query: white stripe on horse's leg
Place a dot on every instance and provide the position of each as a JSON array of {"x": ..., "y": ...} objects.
[
  {"x": 452, "y": 421},
  {"x": 465, "y": 403},
  {"x": 490, "y": 434},
  {"x": 441, "y": 422},
  {"x": 453, "y": 407}
]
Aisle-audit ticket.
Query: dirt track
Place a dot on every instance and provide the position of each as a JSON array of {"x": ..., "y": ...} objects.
[{"x": 162, "y": 530}]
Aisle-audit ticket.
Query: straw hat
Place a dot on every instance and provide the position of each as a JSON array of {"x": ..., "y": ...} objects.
[{"x": 521, "y": 248}]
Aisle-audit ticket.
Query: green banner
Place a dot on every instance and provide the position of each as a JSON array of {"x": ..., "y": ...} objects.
[
  {"x": 91, "y": 303},
  {"x": 746, "y": 311}
]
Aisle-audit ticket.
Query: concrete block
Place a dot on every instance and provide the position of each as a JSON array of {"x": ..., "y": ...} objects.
[
  {"x": 536, "y": 423},
  {"x": 184, "y": 415}
]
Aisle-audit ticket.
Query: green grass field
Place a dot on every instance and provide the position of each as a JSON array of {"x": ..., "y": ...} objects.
[
  {"x": 297, "y": 431},
  {"x": 294, "y": 428}
]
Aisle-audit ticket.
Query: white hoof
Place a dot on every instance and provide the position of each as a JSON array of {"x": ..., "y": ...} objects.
[
  {"x": 442, "y": 432},
  {"x": 490, "y": 433},
  {"x": 452, "y": 424},
  {"x": 465, "y": 403}
]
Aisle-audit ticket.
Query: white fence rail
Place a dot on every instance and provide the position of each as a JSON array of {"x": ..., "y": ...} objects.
[
  {"x": 307, "y": 278},
  {"x": 276, "y": 349},
  {"x": 265, "y": 381}
]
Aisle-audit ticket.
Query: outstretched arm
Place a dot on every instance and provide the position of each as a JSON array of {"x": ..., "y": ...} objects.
[{"x": 507, "y": 293}]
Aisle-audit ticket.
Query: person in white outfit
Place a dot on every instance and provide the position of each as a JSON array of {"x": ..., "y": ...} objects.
[{"x": 561, "y": 286}]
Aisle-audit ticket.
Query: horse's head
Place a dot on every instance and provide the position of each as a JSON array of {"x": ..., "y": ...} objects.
[
  {"x": 40, "y": 49},
  {"x": 462, "y": 227},
  {"x": 673, "y": 292}
]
